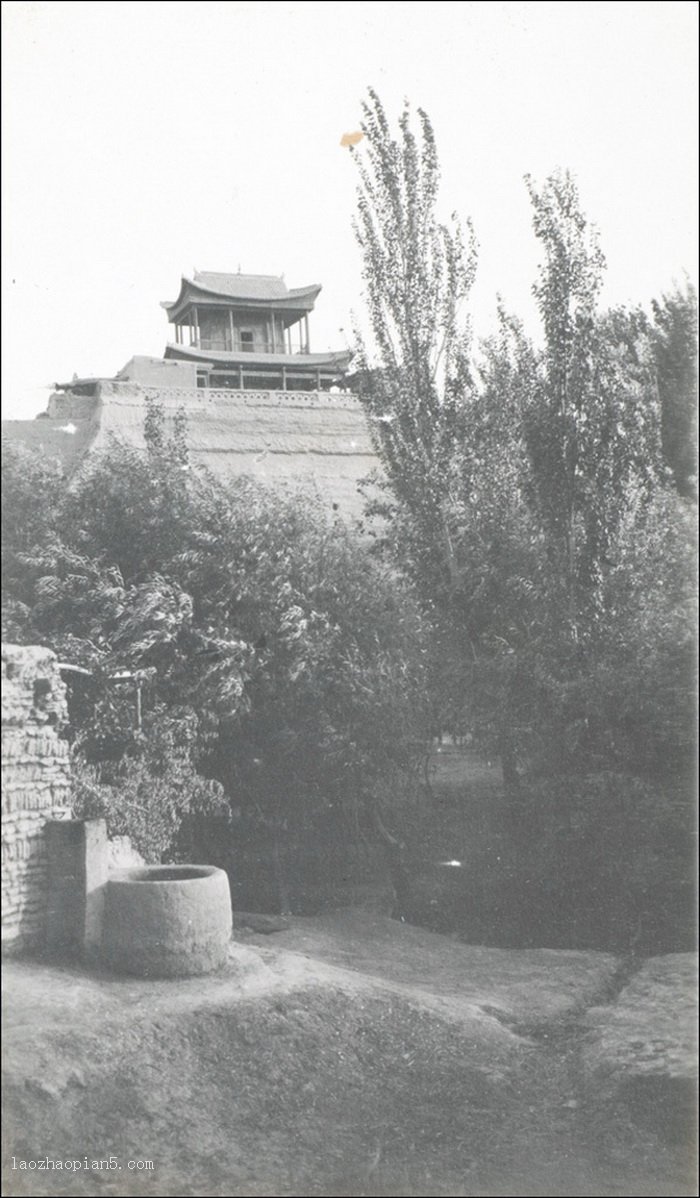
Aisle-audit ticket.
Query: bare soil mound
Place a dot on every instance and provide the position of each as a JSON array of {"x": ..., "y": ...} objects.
[{"x": 288, "y": 1075}]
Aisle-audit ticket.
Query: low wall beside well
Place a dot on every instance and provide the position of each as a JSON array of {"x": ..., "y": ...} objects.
[{"x": 35, "y": 786}]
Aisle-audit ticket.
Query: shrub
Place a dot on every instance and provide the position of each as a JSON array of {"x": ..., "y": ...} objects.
[{"x": 147, "y": 797}]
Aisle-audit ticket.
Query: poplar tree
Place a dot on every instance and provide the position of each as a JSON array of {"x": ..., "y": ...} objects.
[
  {"x": 515, "y": 477},
  {"x": 418, "y": 272}
]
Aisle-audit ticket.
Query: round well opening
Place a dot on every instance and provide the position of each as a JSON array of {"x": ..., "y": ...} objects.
[{"x": 169, "y": 873}]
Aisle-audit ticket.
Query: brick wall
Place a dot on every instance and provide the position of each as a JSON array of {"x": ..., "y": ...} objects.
[{"x": 35, "y": 786}]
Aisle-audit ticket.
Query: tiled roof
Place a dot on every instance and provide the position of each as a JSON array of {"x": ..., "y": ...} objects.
[
  {"x": 242, "y": 286},
  {"x": 210, "y": 286}
]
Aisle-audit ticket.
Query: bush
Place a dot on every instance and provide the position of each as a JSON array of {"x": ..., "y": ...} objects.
[
  {"x": 270, "y": 651},
  {"x": 147, "y": 797},
  {"x": 608, "y": 862}
]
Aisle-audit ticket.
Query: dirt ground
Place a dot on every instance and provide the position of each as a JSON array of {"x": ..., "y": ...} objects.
[{"x": 347, "y": 1055}]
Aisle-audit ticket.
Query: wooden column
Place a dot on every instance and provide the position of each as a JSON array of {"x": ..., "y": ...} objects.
[
  {"x": 306, "y": 328},
  {"x": 196, "y": 326},
  {"x": 284, "y": 378},
  {"x": 230, "y": 328},
  {"x": 240, "y": 378}
]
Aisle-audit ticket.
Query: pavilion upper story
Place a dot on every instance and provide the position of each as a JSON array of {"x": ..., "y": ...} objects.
[{"x": 250, "y": 331}]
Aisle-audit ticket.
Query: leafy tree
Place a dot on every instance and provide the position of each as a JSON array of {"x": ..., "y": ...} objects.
[
  {"x": 418, "y": 273},
  {"x": 674, "y": 340},
  {"x": 592, "y": 424},
  {"x": 416, "y": 380},
  {"x": 271, "y": 652},
  {"x": 516, "y": 487},
  {"x": 147, "y": 793},
  {"x": 450, "y": 443},
  {"x": 32, "y": 493},
  {"x": 599, "y": 487},
  {"x": 528, "y": 498}
]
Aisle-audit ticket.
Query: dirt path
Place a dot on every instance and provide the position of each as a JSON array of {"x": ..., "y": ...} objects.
[
  {"x": 518, "y": 985},
  {"x": 348, "y": 1055}
]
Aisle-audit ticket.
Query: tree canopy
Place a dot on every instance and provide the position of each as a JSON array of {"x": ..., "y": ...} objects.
[
  {"x": 522, "y": 482},
  {"x": 273, "y": 655}
]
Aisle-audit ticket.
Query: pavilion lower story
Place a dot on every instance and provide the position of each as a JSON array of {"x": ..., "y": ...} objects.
[{"x": 247, "y": 371}]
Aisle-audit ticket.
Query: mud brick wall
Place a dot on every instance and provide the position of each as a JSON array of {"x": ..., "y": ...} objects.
[{"x": 35, "y": 786}]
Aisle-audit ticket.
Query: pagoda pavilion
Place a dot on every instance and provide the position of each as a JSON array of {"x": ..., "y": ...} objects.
[{"x": 250, "y": 332}]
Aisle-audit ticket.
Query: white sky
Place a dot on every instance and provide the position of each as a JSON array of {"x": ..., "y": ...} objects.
[{"x": 142, "y": 140}]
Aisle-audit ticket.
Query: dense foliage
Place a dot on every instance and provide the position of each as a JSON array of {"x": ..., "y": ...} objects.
[
  {"x": 231, "y": 634},
  {"x": 674, "y": 333},
  {"x": 537, "y": 497}
]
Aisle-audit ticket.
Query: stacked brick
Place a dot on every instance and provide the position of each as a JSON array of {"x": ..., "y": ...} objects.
[{"x": 35, "y": 786}]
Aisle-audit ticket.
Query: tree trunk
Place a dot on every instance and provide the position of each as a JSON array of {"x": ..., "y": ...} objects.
[
  {"x": 426, "y": 777},
  {"x": 279, "y": 874},
  {"x": 394, "y": 852},
  {"x": 511, "y": 777}
]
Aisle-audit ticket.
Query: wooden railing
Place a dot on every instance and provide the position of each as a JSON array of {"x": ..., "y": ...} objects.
[{"x": 223, "y": 344}]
